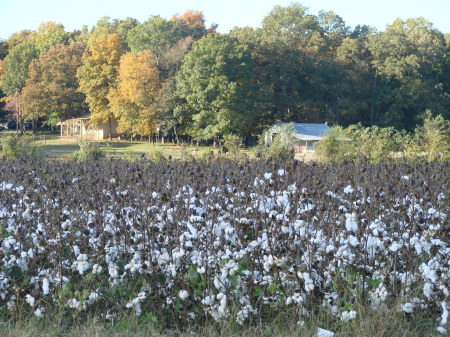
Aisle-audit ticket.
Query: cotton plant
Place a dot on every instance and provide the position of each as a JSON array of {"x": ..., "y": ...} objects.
[{"x": 256, "y": 236}]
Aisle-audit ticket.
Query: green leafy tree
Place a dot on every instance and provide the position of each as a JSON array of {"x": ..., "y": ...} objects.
[
  {"x": 98, "y": 75},
  {"x": 294, "y": 25},
  {"x": 16, "y": 68},
  {"x": 18, "y": 38},
  {"x": 280, "y": 69},
  {"x": 410, "y": 55},
  {"x": 431, "y": 140},
  {"x": 156, "y": 34},
  {"x": 361, "y": 103},
  {"x": 216, "y": 80},
  {"x": 47, "y": 35},
  {"x": 14, "y": 72},
  {"x": 106, "y": 25},
  {"x": 3, "y": 49}
]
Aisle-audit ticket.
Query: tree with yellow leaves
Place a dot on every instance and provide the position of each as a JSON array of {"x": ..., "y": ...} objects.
[
  {"x": 131, "y": 100},
  {"x": 98, "y": 76}
]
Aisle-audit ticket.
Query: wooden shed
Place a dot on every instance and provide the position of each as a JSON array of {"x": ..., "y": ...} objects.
[{"x": 82, "y": 127}]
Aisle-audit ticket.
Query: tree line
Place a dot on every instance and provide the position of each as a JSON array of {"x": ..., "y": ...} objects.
[{"x": 180, "y": 77}]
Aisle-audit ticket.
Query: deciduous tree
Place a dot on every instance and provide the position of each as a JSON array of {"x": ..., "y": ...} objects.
[
  {"x": 52, "y": 89},
  {"x": 130, "y": 101},
  {"x": 106, "y": 25},
  {"x": 16, "y": 68},
  {"x": 98, "y": 75},
  {"x": 195, "y": 22},
  {"x": 48, "y": 34},
  {"x": 216, "y": 79},
  {"x": 157, "y": 35}
]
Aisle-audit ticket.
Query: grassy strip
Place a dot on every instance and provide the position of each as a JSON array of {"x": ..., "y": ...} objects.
[{"x": 369, "y": 323}]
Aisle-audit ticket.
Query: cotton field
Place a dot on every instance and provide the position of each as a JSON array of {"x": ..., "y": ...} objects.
[{"x": 193, "y": 241}]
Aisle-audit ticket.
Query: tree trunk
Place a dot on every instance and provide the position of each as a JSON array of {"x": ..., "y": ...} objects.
[
  {"x": 176, "y": 135},
  {"x": 110, "y": 128},
  {"x": 373, "y": 103}
]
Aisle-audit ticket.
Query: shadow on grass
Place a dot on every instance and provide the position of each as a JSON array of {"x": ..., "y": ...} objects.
[{"x": 57, "y": 151}]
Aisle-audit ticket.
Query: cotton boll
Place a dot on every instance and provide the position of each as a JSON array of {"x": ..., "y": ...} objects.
[
  {"x": 39, "y": 312},
  {"x": 408, "y": 307},
  {"x": 45, "y": 286},
  {"x": 183, "y": 294},
  {"x": 350, "y": 222},
  {"x": 348, "y": 189},
  {"x": 267, "y": 176},
  {"x": 428, "y": 289},
  {"x": 93, "y": 297},
  {"x": 324, "y": 333},
  {"x": 113, "y": 272},
  {"x": 30, "y": 300},
  {"x": 329, "y": 249},
  {"x": 309, "y": 283},
  {"x": 395, "y": 246},
  {"x": 73, "y": 303},
  {"x": 76, "y": 250},
  {"x": 353, "y": 241},
  {"x": 440, "y": 329},
  {"x": 347, "y": 316},
  {"x": 444, "y": 316},
  {"x": 97, "y": 269}
]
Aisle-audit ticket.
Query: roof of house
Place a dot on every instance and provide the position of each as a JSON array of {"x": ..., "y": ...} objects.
[
  {"x": 86, "y": 118},
  {"x": 307, "y": 131}
]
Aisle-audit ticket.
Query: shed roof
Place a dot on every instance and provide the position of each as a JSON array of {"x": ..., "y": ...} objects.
[{"x": 307, "y": 131}]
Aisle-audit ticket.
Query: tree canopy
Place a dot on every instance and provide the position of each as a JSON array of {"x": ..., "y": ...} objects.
[
  {"x": 216, "y": 80},
  {"x": 178, "y": 75}
]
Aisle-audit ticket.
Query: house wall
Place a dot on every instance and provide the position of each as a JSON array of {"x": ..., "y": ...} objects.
[
  {"x": 80, "y": 128},
  {"x": 305, "y": 146},
  {"x": 104, "y": 130}
]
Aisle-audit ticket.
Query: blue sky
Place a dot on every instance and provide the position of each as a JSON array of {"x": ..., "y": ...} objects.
[{"x": 16, "y": 15}]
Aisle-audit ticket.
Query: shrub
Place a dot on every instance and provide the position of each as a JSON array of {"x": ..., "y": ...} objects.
[
  {"x": 89, "y": 150},
  {"x": 430, "y": 141},
  {"x": 18, "y": 146},
  {"x": 335, "y": 146},
  {"x": 186, "y": 153},
  {"x": 132, "y": 156},
  {"x": 232, "y": 145},
  {"x": 282, "y": 145},
  {"x": 157, "y": 156}
]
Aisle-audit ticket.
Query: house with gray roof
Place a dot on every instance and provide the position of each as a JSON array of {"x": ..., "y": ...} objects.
[{"x": 307, "y": 134}]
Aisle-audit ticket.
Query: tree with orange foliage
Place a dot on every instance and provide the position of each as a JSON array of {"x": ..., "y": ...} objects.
[
  {"x": 130, "y": 101},
  {"x": 194, "y": 20}
]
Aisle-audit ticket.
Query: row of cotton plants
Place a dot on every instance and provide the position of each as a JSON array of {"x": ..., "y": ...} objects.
[{"x": 181, "y": 242}]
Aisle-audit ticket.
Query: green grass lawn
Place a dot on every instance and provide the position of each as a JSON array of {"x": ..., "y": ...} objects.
[{"x": 56, "y": 148}]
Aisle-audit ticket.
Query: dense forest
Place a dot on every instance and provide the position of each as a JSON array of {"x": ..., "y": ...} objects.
[{"x": 180, "y": 76}]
